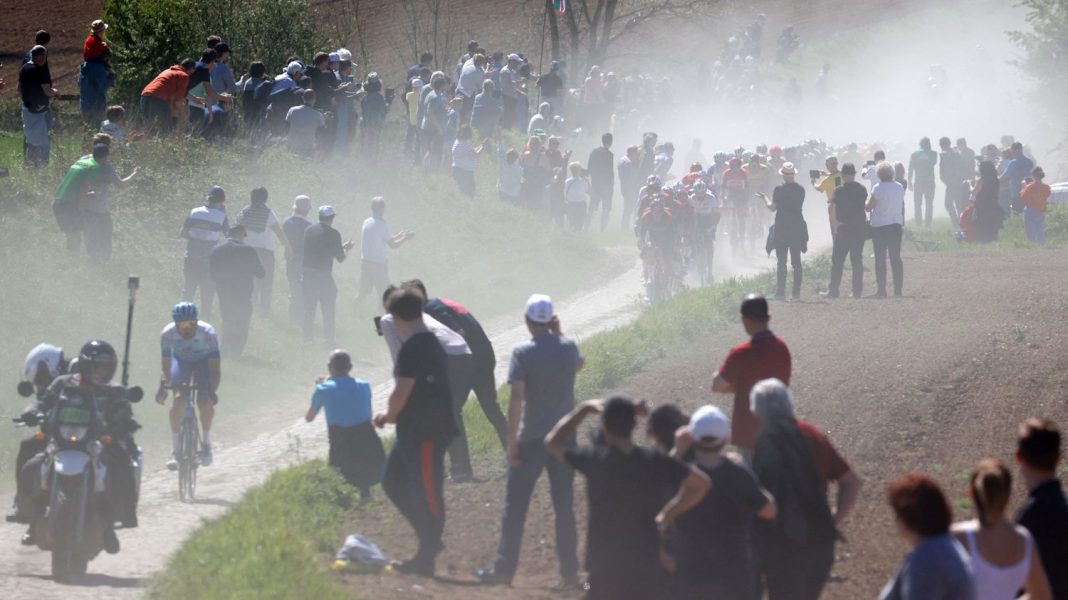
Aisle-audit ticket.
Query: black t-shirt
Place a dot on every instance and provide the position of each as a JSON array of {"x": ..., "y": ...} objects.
[
  {"x": 714, "y": 539},
  {"x": 323, "y": 81},
  {"x": 427, "y": 416},
  {"x": 849, "y": 203},
  {"x": 322, "y": 245},
  {"x": 1045, "y": 515},
  {"x": 457, "y": 318},
  {"x": 550, "y": 84},
  {"x": 31, "y": 78},
  {"x": 201, "y": 74},
  {"x": 233, "y": 267},
  {"x": 625, "y": 493}
]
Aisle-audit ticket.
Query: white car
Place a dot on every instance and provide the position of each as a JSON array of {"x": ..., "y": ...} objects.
[{"x": 1060, "y": 193}]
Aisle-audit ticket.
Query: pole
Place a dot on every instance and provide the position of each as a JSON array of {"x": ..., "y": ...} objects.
[
  {"x": 541, "y": 54},
  {"x": 132, "y": 284}
]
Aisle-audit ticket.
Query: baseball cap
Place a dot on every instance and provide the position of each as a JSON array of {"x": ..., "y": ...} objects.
[
  {"x": 294, "y": 67},
  {"x": 710, "y": 426},
  {"x": 99, "y": 26},
  {"x": 38, "y": 50},
  {"x": 849, "y": 169},
  {"x": 539, "y": 309},
  {"x": 788, "y": 169},
  {"x": 216, "y": 193},
  {"x": 515, "y": 57},
  {"x": 344, "y": 54},
  {"x": 417, "y": 83},
  {"x": 326, "y": 211},
  {"x": 333, "y": 57},
  {"x": 302, "y": 202}
]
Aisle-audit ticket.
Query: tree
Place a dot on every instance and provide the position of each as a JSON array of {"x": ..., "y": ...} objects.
[{"x": 1046, "y": 47}]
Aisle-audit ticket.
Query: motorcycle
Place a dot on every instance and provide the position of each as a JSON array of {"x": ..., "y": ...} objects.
[{"x": 74, "y": 475}]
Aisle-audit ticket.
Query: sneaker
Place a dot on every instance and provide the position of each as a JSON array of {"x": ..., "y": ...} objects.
[
  {"x": 424, "y": 568},
  {"x": 828, "y": 294},
  {"x": 17, "y": 517},
  {"x": 111, "y": 541},
  {"x": 490, "y": 576},
  {"x": 205, "y": 455},
  {"x": 172, "y": 463}
]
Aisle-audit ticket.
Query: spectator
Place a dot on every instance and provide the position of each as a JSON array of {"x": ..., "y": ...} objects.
[
  {"x": 509, "y": 174},
  {"x": 375, "y": 239},
  {"x": 1003, "y": 557},
  {"x": 950, "y": 171},
  {"x": 664, "y": 422},
  {"x": 790, "y": 235},
  {"x": 1045, "y": 512},
  {"x": 988, "y": 215},
  {"x": 602, "y": 180},
  {"x": 435, "y": 113},
  {"x": 355, "y": 450},
  {"x": 373, "y": 107},
  {"x": 1018, "y": 169},
  {"x": 411, "y": 101},
  {"x": 234, "y": 268},
  {"x": 472, "y": 49},
  {"x": 458, "y": 363},
  {"x": 713, "y": 551},
  {"x": 96, "y": 206},
  {"x": 222, "y": 77},
  {"x": 305, "y": 125},
  {"x": 1034, "y": 197},
  {"x": 922, "y": 181},
  {"x": 465, "y": 161},
  {"x": 550, "y": 85},
  {"x": 625, "y": 521},
  {"x": 203, "y": 96},
  {"x": 41, "y": 38},
  {"x": 486, "y": 111},
  {"x": 511, "y": 91},
  {"x": 795, "y": 462},
  {"x": 542, "y": 379},
  {"x": 345, "y": 116},
  {"x": 163, "y": 99},
  {"x": 576, "y": 193},
  {"x": 541, "y": 121},
  {"x": 426, "y": 61},
  {"x": 260, "y": 221},
  {"x": 536, "y": 175},
  {"x": 35, "y": 84},
  {"x": 629, "y": 185},
  {"x": 937, "y": 568},
  {"x": 827, "y": 182},
  {"x": 284, "y": 94},
  {"x": 887, "y": 206},
  {"x": 421, "y": 408},
  {"x": 94, "y": 75},
  {"x": 967, "y": 159},
  {"x": 294, "y": 227},
  {"x": 113, "y": 124},
  {"x": 870, "y": 172},
  {"x": 203, "y": 229},
  {"x": 483, "y": 359},
  {"x": 322, "y": 246},
  {"x": 764, "y": 356},
  {"x": 847, "y": 209},
  {"x": 250, "y": 82},
  {"x": 469, "y": 83},
  {"x": 323, "y": 81},
  {"x": 558, "y": 165}
]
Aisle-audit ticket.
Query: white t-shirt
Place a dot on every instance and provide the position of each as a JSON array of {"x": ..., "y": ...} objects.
[
  {"x": 889, "y": 204},
  {"x": 262, "y": 239},
  {"x": 471, "y": 78},
  {"x": 452, "y": 342},
  {"x": 507, "y": 78},
  {"x": 374, "y": 239},
  {"x": 463, "y": 155},
  {"x": 576, "y": 189}
]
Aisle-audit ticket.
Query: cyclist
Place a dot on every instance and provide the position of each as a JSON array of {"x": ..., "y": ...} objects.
[
  {"x": 658, "y": 234},
  {"x": 735, "y": 185},
  {"x": 705, "y": 208},
  {"x": 696, "y": 174},
  {"x": 190, "y": 354}
]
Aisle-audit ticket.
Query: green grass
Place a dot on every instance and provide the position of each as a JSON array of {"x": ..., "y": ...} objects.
[
  {"x": 267, "y": 546},
  {"x": 1012, "y": 235}
]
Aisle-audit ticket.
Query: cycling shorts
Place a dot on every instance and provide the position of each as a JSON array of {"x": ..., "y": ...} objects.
[{"x": 186, "y": 373}]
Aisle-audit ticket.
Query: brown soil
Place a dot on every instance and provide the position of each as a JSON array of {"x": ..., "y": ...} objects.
[{"x": 934, "y": 381}]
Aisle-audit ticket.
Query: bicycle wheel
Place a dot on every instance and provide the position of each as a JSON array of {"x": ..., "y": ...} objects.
[
  {"x": 191, "y": 446},
  {"x": 184, "y": 466}
]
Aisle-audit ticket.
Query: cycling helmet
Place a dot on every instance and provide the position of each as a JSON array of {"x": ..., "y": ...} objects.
[
  {"x": 762, "y": 149},
  {"x": 696, "y": 168},
  {"x": 653, "y": 180},
  {"x": 775, "y": 151},
  {"x": 97, "y": 353},
  {"x": 44, "y": 354},
  {"x": 184, "y": 311},
  {"x": 736, "y": 161},
  {"x": 700, "y": 187},
  {"x": 719, "y": 157}
]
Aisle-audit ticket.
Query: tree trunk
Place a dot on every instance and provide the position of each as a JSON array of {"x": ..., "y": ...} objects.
[
  {"x": 573, "y": 31},
  {"x": 606, "y": 31},
  {"x": 554, "y": 32}
]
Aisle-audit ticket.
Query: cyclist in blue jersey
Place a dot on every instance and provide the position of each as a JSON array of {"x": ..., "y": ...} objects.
[{"x": 190, "y": 354}]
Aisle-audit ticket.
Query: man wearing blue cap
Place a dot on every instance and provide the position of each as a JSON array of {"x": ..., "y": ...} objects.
[
  {"x": 322, "y": 246},
  {"x": 202, "y": 230}
]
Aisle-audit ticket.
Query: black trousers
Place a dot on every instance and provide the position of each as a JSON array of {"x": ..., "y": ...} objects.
[
  {"x": 781, "y": 250},
  {"x": 198, "y": 275},
  {"x": 793, "y": 571},
  {"x": 356, "y": 452},
  {"x": 235, "y": 306},
  {"x": 28, "y": 448},
  {"x": 98, "y": 233},
  {"x": 459, "y": 370},
  {"x": 484, "y": 385},
  {"x": 157, "y": 111},
  {"x": 414, "y": 480},
  {"x": 849, "y": 240},
  {"x": 887, "y": 240},
  {"x": 263, "y": 286}
]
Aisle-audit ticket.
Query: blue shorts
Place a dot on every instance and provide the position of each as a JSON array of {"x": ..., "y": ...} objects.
[{"x": 185, "y": 373}]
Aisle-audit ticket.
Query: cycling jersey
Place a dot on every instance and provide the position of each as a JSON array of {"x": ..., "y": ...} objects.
[
  {"x": 202, "y": 346},
  {"x": 704, "y": 204}
]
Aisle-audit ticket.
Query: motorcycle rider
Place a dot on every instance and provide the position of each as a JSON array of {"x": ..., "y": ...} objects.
[
  {"x": 97, "y": 362},
  {"x": 190, "y": 353},
  {"x": 43, "y": 364}
]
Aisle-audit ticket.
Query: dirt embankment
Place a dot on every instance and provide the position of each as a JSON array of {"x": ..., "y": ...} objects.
[{"x": 934, "y": 381}]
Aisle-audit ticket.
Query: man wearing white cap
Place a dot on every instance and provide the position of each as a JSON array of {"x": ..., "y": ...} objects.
[
  {"x": 322, "y": 246},
  {"x": 542, "y": 376},
  {"x": 713, "y": 544},
  {"x": 294, "y": 227}
]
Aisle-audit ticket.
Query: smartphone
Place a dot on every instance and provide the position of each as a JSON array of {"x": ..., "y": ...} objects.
[
  {"x": 378, "y": 325},
  {"x": 815, "y": 173}
]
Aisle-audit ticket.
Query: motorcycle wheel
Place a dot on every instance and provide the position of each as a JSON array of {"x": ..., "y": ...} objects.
[{"x": 68, "y": 562}]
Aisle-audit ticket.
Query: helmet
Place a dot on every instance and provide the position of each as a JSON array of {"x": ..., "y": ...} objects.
[
  {"x": 719, "y": 157},
  {"x": 775, "y": 151},
  {"x": 762, "y": 149},
  {"x": 184, "y": 311},
  {"x": 696, "y": 168},
  {"x": 700, "y": 187},
  {"x": 44, "y": 354},
  {"x": 97, "y": 360},
  {"x": 736, "y": 162},
  {"x": 653, "y": 180}
]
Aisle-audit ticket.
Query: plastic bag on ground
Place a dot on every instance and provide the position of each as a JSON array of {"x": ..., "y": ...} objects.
[{"x": 362, "y": 550}]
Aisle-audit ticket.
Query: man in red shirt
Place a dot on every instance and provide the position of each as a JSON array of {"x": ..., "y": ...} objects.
[
  {"x": 764, "y": 356},
  {"x": 1034, "y": 197},
  {"x": 163, "y": 99}
]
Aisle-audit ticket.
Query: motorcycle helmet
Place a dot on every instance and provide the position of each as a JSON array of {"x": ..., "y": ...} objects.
[
  {"x": 47, "y": 357},
  {"x": 184, "y": 311},
  {"x": 97, "y": 360}
]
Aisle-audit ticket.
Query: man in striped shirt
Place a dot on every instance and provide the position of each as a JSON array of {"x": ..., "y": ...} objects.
[{"x": 202, "y": 230}]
